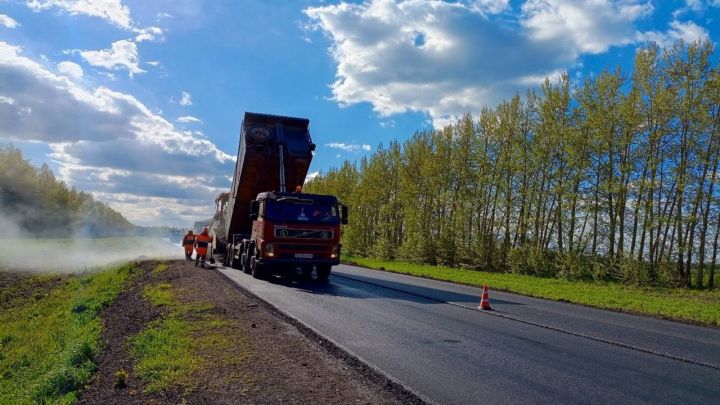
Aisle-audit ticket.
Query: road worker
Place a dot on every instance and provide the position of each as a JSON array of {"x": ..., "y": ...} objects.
[
  {"x": 188, "y": 242},
  {"x": 202, "y": 242}
]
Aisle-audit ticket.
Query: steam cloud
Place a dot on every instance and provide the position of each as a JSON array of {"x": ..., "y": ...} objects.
[{"x": 18, "y": 251}]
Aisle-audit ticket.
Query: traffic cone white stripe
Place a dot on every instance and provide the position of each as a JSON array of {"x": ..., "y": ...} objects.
[{"x": 485, "y": 300}]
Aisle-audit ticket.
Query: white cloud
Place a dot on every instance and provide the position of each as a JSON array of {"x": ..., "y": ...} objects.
[
  {"x": 111, "y": 76},
  {"x": 590, "y": 26},
  {"x": 188, "y": 119},
  {"x": 149, "y": 34},
  {"x": 695, "y": 5},
  {"x": 109, "y": 143},
  {"x": 490, "y": 6},
  {"x": 153, "y": 63},
  {"x": 161, "y": 16},
  {"x": 447, "y": 58},
  {"x": 70, "y": 69},
  {"x": 122, "y": 55},
  {"x": 349, "y": 147},
  {"x": 111, "y": 10},
  {"x": 185, "y": 98},
  {"x": 8, "y": 22},
  {"x": 687, "y": 31},
  {"x": 311, "y": 176}
]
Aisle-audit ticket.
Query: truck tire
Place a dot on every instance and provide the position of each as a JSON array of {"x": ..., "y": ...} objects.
[
  {"x": 256, "y": 268},
  {"x": 323, "y": 272},
  {"x": 319, "y": 273},
  {"x": 244, "y": 265}
]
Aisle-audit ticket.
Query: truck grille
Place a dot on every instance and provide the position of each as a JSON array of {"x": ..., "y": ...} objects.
[
  {"x": 291, "y": 246},
  {"x": 303, "y": 233}
]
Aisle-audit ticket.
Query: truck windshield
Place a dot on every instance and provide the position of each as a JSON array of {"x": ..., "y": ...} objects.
[{"x": 301, "y": 211}]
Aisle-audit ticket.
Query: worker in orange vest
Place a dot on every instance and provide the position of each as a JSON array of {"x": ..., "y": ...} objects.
[
  {"x": 202, "y": 242},
  {"x": 188, "y": 242}
]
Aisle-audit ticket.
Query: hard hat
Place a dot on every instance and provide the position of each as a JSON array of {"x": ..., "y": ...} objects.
[
  {"x": 190, "y": 232},
  {"x": 205, "y": 230}
]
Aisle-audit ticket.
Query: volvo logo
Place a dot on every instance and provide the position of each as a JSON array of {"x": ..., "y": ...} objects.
[
  {"x": 283, "y": 232},
  {"x": 325, "y": 235}
]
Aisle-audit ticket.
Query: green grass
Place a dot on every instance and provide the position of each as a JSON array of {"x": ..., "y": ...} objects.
[
  {"x": 170, "y": 351},
  {"x": 48, "y": 340},
  {"x": 160, "y": 268},
  {"x": 693, "y": 306}
]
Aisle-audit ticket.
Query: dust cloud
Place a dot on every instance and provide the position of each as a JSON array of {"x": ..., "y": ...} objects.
[{"x": 19, "y": 252}]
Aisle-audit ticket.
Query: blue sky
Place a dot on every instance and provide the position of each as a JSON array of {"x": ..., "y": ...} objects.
[{"x": 140, "y": 102}]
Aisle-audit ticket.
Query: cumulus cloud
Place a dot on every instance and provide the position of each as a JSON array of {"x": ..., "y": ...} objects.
[
  {"x": 8, "y": 22},
  {"x": 122, "y": 55},
  {"x": 109, "y": 143},
  {"x": 490, "y": 6},
  {"x": 112, "y": 11},
  {"x": 589, "y": 26},
  {"x": 695, "y": 6},
  {"x": 149, "y": 34},
  {"x": 70, "y": 69},
  {"x": 185, "y": 98},
  {"x": 188, "y": 119},
  {"x": 311, "y": 176},
  {"x": 349, "y": 147},
  {"x": 686, "y": 31},
  {"x": 448, "y": 58}
]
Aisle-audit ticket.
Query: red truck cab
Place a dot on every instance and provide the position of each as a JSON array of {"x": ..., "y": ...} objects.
[{"x": 291, "y": 231}]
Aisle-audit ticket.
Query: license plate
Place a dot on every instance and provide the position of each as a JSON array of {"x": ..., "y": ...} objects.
[{"x": 303, "y": 255}]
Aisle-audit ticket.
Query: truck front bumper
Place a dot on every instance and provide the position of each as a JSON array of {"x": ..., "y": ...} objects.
[{"x": 271, "y": 261}]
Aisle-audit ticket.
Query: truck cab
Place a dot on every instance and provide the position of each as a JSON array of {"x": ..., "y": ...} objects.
[{"x": 291, "y": 231}]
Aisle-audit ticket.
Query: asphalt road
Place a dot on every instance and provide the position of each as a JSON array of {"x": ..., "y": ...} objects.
[{"x": 429, "y": 336}]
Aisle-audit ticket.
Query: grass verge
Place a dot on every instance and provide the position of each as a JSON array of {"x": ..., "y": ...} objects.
[
  {"x": 49, "y": 338},
  {"x": 701, "y": 307},
  {"x": 171, "y": 351}
]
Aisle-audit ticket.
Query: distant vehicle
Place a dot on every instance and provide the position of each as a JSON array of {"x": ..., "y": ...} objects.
[{"x": 266, "y": 224}]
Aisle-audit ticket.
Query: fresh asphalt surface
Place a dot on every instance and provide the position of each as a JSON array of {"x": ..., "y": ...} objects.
[{"x": 429, "y": 336}]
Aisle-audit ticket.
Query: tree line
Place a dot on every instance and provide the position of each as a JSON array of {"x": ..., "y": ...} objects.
[
  {"x": 614, "y": 178},
  {"x": 40, "y": 205}
]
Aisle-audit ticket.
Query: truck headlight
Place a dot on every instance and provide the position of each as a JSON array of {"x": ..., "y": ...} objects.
[
  {"x": 335, "y": 252},
  {"x": 269, "y": 250}
]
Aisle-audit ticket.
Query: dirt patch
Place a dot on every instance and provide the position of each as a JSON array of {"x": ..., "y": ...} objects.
[
  {"x": 125, "y": 317},
  {"x": 273, "y": 361}
]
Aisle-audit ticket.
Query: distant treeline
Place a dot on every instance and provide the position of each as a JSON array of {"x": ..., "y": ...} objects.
[
  {"x": 614, "y": 178},
  {"x": 39, "y": 205}
]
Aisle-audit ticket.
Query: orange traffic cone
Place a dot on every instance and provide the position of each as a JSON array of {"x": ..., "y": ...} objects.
[{"x": 485, "y": 301}]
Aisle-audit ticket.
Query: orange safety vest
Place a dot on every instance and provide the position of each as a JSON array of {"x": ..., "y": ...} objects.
[
  {"x": 202, "y": 241},
  {"x": 189, "y": 240}
]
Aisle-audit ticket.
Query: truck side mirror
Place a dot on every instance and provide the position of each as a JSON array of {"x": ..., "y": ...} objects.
[
  {"x": 344, "y": 216},
  {"x": 254, "y": 209}
]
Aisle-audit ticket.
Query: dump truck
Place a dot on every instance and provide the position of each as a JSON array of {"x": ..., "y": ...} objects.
[{"x": 266, "y": 224}]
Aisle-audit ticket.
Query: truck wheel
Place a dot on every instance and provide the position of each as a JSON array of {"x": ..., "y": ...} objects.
[
  {"x": 309, "y": 273},
  {"x": 256, "y": 268},
  {"x": 320, "y": 273},
  {"x": 244, "y": 265},
  {"x": 324, "y": 272}
]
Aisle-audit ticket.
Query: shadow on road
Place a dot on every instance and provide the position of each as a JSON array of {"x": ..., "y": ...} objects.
[{"x": 363, "y": 287}]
